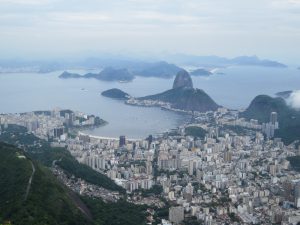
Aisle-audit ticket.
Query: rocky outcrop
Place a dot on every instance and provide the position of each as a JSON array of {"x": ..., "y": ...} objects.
[
  {"x": 183, "y": 79},
  {"x": 184, "y": 97}
]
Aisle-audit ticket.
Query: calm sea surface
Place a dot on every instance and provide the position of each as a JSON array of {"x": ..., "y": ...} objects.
[{"x": 235, "y": 88}]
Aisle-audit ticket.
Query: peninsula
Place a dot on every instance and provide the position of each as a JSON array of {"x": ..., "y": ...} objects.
[{"x": 182, "y": 97}]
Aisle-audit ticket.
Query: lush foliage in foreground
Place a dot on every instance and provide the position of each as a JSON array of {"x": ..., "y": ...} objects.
[{"x": 48, "y": 201}]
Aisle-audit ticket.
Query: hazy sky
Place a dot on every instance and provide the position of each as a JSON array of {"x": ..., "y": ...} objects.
[{"x": 268, "y": 28}]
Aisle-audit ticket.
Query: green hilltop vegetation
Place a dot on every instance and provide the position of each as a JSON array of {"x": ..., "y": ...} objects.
[
  {"x": 49, "y": 202},
  {"x": 72, "y": 166},
  {"x": 295, "y": 162},
  {"x": 289, "y": 119},
  {"x": 120, "y": 213},
  {"x": 261, "y": 107},
  {"x": 195, "y": 131},
  {"x": 115, "y": 93}
]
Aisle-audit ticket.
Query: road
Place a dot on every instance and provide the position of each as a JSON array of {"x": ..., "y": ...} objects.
[{"x": 30, "y": 181}]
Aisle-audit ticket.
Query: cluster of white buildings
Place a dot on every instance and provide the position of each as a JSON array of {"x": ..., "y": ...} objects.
[
  {"x": 48, "y": 124},
  {"x": 227, "y": 177},
  {"x": 129, "y": 165},
  {"x": 230, "y": 178},
  {"x": 42, "y": 125}
]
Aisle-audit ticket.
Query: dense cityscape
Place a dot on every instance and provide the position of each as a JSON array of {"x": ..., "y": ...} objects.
[
  {"x": 228, "y": 170},
  {"x": 149, "y": 112}
]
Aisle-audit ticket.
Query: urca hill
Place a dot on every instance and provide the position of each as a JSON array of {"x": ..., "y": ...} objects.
[{"x": 183, "y": 96}]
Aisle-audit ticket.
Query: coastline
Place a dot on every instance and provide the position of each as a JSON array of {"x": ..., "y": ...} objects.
[
  {"x": 107, "y": 138},
  {"x": 159, "y": 104}
]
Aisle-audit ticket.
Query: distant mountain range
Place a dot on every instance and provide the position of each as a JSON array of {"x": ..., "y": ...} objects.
[
  {"x": 134, "y": 64},
  {"x": 216, "y": 61},
  {"x": 255, "y": 61},
  {"x": 108, "y": 74},
  {"x": 160, "y": 66},
  {"x": 160, "y": 69}
]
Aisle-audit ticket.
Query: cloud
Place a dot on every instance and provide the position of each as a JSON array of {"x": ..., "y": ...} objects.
[
  {"x": 26, "y": 2},
  {"x": 294, "y": 1},
  {"x": 294, "y": 99},
  {"x": 221, "y": 27},
  {"x": 78, "y": 17}
]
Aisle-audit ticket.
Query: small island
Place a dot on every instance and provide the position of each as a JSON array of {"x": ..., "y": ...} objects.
[
  {"x": 116, "y": 94},
  {"x": 66, "y": 75},
  {"x": 201, "y": 72}
]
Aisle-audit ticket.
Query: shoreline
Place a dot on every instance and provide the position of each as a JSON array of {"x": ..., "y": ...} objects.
[{"x": 107, "y": 138}]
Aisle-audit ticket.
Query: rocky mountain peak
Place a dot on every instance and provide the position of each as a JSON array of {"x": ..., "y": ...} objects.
[{"x": 183, "y": 79}]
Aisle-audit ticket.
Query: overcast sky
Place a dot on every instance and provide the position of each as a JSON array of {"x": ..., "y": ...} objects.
[{"x": 267, "y": 28}]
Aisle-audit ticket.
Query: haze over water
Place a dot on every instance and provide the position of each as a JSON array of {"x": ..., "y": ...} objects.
[{"x": 23, "y": 92}]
